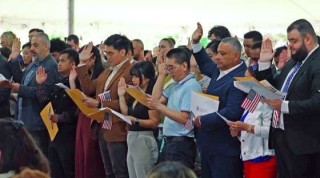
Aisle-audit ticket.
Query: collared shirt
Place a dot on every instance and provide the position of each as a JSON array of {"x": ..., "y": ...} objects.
[
  {"x": 285, "y": 103},
  {"x": 197, "y": 47},
  {"x": 114, "y": 70},
  {"x": 225, "y": 72},
  {"x": 179, "y": 99}
]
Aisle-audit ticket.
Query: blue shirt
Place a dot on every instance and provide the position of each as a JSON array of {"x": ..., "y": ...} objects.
[{"x": 179, "y": 99}]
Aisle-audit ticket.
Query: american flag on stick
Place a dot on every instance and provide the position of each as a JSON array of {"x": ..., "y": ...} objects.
[
  {"x": 107, "y": 121},
  {"x": 251, "y": 101},
  {"x": 105, "y": 96},
  {"x": 189, "y": 122}
]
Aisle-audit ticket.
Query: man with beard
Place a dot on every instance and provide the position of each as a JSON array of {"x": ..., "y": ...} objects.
[{"x": 295, "y": 133}]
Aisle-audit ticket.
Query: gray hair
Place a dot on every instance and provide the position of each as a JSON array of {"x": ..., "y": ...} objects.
[
  {"x": 44, "y": 37},
  {"x": 234, "y": 43}
]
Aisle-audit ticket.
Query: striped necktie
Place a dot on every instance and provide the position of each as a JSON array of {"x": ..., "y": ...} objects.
[{"x": 276, "y": 113}]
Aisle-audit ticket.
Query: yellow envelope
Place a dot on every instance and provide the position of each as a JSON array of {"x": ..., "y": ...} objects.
[
  {"x": 77, "y": 96},
  {"x": 94, "y": 113},
  {"x": 99, "y": 115},
  {"x": 139, "y": 95},
  {"x": 209, "y": 96},
  {"x": 51, "y": 126}
]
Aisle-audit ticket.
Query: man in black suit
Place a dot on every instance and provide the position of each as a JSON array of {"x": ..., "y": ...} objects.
[
  {"x": 4, "y": 92},
  {"x": 295, "y": 133}
]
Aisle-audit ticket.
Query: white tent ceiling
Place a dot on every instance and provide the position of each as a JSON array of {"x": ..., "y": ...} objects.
[{"x": 154, "y": 19}]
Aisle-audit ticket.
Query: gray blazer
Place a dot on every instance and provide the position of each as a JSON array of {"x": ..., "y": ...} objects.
[{"x": 29, "y": 106}]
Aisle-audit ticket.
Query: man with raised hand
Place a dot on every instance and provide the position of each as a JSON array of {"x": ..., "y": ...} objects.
[
  {"x": 220, "y": 153},
  {"x": 295, "y": 133}
]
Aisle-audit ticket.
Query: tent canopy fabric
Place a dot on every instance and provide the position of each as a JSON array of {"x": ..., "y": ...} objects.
[{"x": 96, "y": 19}]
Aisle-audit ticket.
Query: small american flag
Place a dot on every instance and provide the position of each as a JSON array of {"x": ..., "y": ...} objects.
[
  {"x": 107, "y": 121},
  {"x": 105, "y": 96},
  {"x": 276, "y": 117},
  {"x": 189, "y": 122},
  {"x": 251, "y": 101}
]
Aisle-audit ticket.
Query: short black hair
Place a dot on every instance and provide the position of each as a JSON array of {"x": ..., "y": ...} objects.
[
  {"x": 254, "y": 35},
  {"x": 118, "y": 42},
  {"x": 36, "y": 30},
  {"x": 73, "y": 38},
  {"x": 304, "y": 27},
  {"x": 73, "y": 55},
  {"x": 213, "y": 45},
  {"x": 28, "y": 44},
  {"x": 181, "y": 55},
  {"x": 219, "y": 31},
  {"x": 170, "y": 41},
  {"x": 57, "y": 45}
]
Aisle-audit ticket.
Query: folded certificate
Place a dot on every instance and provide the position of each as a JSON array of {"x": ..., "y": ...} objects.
[
  {"x": 263, "y": 88},
  {"x": 94, "y": 113},
  {"x": 100, "y": 114},
  {"x": 51, "y": 126},
  {"x": 202, "y": 104},
  {"x": 77, "y": 96},
  {"x": 138, "y": 94}
]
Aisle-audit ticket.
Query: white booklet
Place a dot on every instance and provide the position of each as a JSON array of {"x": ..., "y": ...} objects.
[
  {"x": 263, "y": 88},
  {"x": 202, "y": 104}
]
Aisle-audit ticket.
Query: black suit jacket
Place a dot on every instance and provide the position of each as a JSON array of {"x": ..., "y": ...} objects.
[
  {"x": 301, "y": 125},
  {"x": 4, "y": 92}
]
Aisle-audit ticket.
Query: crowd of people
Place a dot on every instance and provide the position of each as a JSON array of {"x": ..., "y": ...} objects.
[{"x": 273, "y": 138}]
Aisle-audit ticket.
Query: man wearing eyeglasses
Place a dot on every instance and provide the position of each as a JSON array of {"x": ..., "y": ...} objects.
[
  {"x": 174, "y": 102},
  {"x": 220, "y": 153}
]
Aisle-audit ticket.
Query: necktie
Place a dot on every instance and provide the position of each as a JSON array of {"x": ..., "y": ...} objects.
[
  {"x": 106, "y": 96},
  {"x": 254, "y": 67},
  {"x": 276, "y": 113}
]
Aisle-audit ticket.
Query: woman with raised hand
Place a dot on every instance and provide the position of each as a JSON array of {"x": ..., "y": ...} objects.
[{"x": 142, "y": 146}]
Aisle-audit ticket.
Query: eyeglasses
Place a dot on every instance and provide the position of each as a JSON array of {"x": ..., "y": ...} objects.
[{"x": 170, "y": 68}]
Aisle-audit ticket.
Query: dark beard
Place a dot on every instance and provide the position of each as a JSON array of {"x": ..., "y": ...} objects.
[{"x": 301, "y": 54}]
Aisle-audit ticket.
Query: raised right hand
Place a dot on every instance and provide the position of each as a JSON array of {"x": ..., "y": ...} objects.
[
  {"x": 86, "y": 54},
  {"x": 73, "y": 74},
  {"x": 41, "y": 75},
  {"x": 162, "y": 69},
  {"x": 122, "y": 86},
  {"x": 283, "y": 58},
  {"x": 16, "y": 46},
  {"x": 266, "y": 54},
  {"x": 197, "y": 34}
]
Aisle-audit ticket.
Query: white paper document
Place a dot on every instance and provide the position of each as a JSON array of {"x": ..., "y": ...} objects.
[
  {"x": 263, "y": 88},
  {"x": 202, "y": 104},
  {"x": 121, "y": 116},
  {"x": 61, "y": 85}
]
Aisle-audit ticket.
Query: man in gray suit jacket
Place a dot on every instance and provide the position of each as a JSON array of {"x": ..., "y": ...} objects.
[
  {"x": 295, "y": 133},
  {"x": 29, "y": 107}
]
